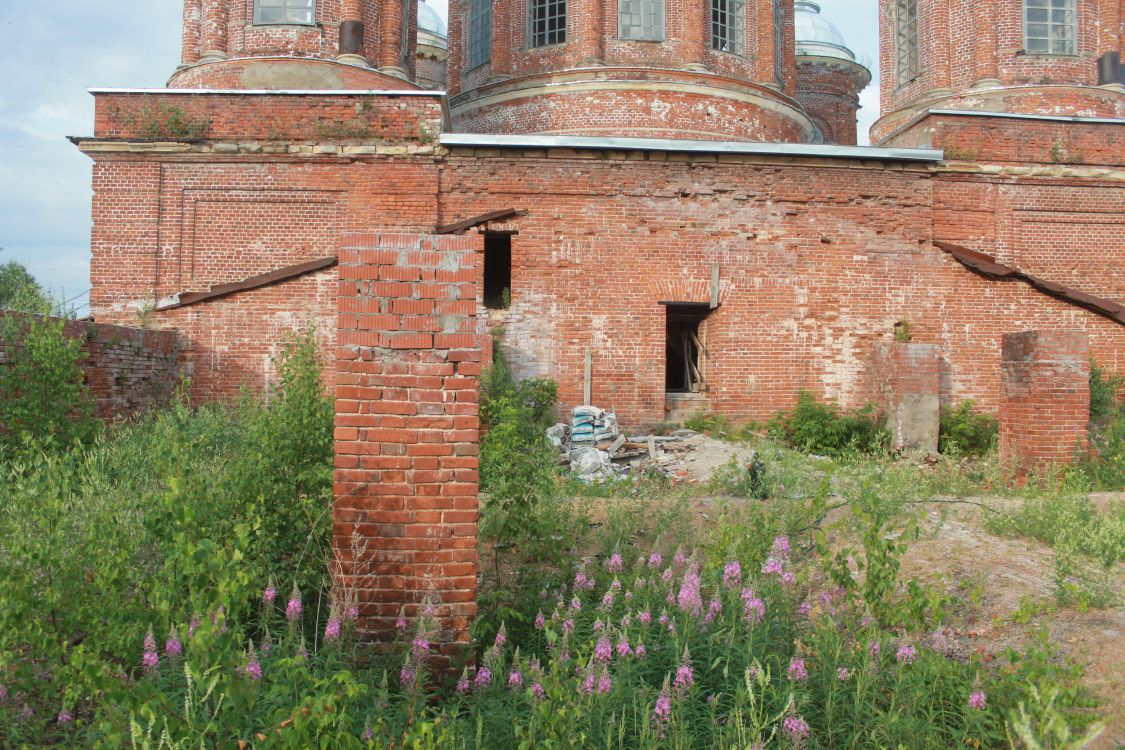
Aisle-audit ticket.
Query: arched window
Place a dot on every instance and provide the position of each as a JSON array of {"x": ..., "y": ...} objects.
[
  {"x": 728, "y": 26},
  {"x": 1050, "y": 27},
  {"x": 285, "y": 11},
  {"x": 906, "y": 39}
]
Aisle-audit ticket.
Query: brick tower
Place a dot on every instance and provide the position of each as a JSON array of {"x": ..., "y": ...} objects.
[
  {"x": 709, "y": 69},
  {"x": 829, "y": 78},
  {"x": 297, "y": 44},
  {"x": 1027, "y": 57}
]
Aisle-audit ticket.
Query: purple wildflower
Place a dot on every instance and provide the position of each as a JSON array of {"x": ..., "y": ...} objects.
[
  {"x": 269, "y": 594},
  {"x": 576, "y": 604},
  {"x": 588, "y": 684},
  {"x": 732, "y": 574},
  {"x": 685, "y": 675},
  {"x": 540, "y": 621},
  {"x": 666, "y": 576},
  {"x": 267, "y": 644},
  {"x": 150, "y": 640},
  {"x": 875, "y": 649},
  {"x": 788, "y": 578},
  {"x": 293, "y": 608},
  {"x": 568, "y": 626},
  {"x": 662, "y": 711},
  {"x": 842, "y": 673},
  {"x": 407, "y": 675},
  {"x": 172, "y": 646},
  {"x": 805, "y": 608},
  {"x": 3, "y": 694},
  {"x": 368, "y": 734},
  {"x": 463, "y": 685},
  {"x": 714, "y": 609},
  {"x": 640, "y": 651},
  {"x": 484, "y": 677},
  {"x": 678, "y": 559},
  {"x": 655, "y": 560},
  {"x": 332, "y": 630},
  {"x": 780, "y": 547},
  {"x": 795, "y": 727},
  {"x": 583, "y": 581},
  {"x": 64, "y": 717},
  {"x": 615, "y": 563},
  {"x": 605, "y": 682},
  {"x": 195, "y": 623},
  {"x": 538, "y": 691},
  {"x": 906, "y": 653},
  {"x": 150, "y": 661},
  {"x": 603, "y": 652},
  {"x": 690, "y": 599},
  {"x": 797, "y": 671},
  {"x": 598, "y": 625},
  {"x": 419, "y": 648},
  {"x": 607, "y": 600},
  {"x": 515, "y": 679},
  {"x": 645, "y": 618},
  {"x": 401, "y": 624},
  {"x": 977, "y": 700},
  {"x": 773, "y": 566},
  {"x": 353, "y": 613},
  {"x": 755, "y": 610},
  {"x": 624, "y": 650},
  {"x": 253, "y": 669}
]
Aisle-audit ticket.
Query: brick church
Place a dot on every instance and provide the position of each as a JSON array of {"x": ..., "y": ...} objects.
[{"x": 663, "y": 201}]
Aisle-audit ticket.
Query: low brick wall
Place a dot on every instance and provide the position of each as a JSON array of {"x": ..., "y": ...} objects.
[{"x": 128, "y": 370}]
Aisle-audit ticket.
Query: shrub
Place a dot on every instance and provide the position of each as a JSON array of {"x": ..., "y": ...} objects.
[
  {"x": 965, "y": 431},
  {"x": 1104, "y": 390},
  {"x": 816, "y": 427}
]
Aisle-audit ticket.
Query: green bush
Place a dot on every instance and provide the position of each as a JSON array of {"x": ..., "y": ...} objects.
[
  {"x": 43, "y": 397},
  {"x": 967, "y": 432},
  {"x": 816, "y": 427},
  {"x": 1104, "y": 390}
]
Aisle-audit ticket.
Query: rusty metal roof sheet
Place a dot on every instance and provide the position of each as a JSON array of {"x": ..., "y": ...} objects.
[
  {"x": 986, "y": 266},
  {"x": 254, "y": 282}
]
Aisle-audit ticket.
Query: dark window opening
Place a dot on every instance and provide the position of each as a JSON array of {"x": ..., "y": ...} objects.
[
  {"x": 497, "y": 271},
  {"x": 685, "y": 354}
]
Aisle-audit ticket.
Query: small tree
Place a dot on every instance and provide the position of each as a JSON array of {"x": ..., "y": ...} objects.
[{"x": 19, "y": 290}]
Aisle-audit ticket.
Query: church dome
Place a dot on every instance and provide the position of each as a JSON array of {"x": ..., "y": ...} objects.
[
  {"x": 816, "y": 36},
  {"x": 429, "y": 20}
]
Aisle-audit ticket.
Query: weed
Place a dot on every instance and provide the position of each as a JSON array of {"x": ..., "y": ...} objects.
[
  {"x": 812, "y": 426},
  {"x": 967, "y": 432}
]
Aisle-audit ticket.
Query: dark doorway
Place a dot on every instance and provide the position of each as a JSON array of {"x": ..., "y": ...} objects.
[
  {"x": 497, "y": 271},
  {"x": 684, "y": 351}
]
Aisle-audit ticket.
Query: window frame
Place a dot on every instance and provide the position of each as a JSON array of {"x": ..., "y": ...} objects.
[
  {"x": 284, "y": 7},
  {"x": 907, "y": 22},
  {"x": 1050, "y": 24},
  {"x": 735, "y": 30},
  {"x": 655, "y": 10},
  {"x": 547, "y": 37},
  {"x": 480, "y": 33}
]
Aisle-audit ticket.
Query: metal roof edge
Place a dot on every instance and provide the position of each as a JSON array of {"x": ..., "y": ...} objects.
[
  {"x": 271, "y": 92},
  {"x": 1019, "y": 116},
  {"x": 601, "y": 143}
]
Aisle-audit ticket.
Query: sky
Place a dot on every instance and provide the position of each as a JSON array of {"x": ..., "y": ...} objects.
[{"x": 52, "y": 52}]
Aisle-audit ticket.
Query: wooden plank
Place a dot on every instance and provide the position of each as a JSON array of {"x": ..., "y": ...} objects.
[{"x": 476, "y": 221}]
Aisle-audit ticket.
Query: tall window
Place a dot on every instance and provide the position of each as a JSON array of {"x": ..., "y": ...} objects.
[
  {"x": 546, "y": 22},
  {"x": 728, "y": 26},
  {"x": 641, "y": 19},
  {"x": 906, "y": 19},
  {"x": 285, "y": 11},
  {"x": 480, "y": 32},
  {"x": 1050, "y": 27}
]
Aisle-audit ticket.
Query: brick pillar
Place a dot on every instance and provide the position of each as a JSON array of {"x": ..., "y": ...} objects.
[
  {"x": 214, "y": 34},
  {"x": 697, "y": 34},
  {"x": 986, "y": 71},
  {"x": 588, "y": 31},
  {"x": 391, "y": 20},
  {"x": 1044, "y": 398},
  {"x": 909, "y": 378},
  {"x": 764, "y": 46},
  {"x": 193, "y": 27},
  {"x": 454, "y": 50},
  {"x": 502, "y": 42},
  {"x": 407, "y": 431}
]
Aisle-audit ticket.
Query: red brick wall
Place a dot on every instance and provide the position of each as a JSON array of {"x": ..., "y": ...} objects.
[
  {"x": 128, "y": 370},
  {"x": 1045, "y": 400},
  {"x": 909, "y": 380},
  {"x": 408, "y": 363}
]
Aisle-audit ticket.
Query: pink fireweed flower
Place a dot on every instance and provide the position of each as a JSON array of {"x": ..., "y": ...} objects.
[
  {"x": 172, "y": 646},
  {"x": 671, "y": 627},
  {"x": 977, "y": 700},
  {"x": 666, "y": 576},
  {"x": 576, "y": 604},
  {"x": 501, "y": 635},
  {"x": 420, "y": 648},
  {"x": 463, "y": 685},
  {"x": 678, "y": 559},
  {"x": 293, "y": 608},
  {"x": 191, "y": 628},
  {"x": 906, "y": 653},
  {"x": 64, "y": 717},
  {"x": 253, "y": 670},
  {"x": 353, "y": 613},
  {"x": 429, "y": 609},
  {"x": 3, "y": 694},
  {"x": 484, "y": 677},
  {"x": 685, "y": 677},
  {"x": 788, "y": 578},
  {"x": 615, "y": 563},
  {"x": 598, "y": 625},
  {"x": 629, "y": 596},
  {"x": 645, "y": 618},
  {"x": 150, "y": 640},
  {"x": 540, "y": 621},
  {"x": 515, "y": 679},
  {"x": 150, "y": 661},
  {"x": 615, "y": 585},
  {"x": 655, "y": 560},
  {"x": 407, "y": 675},
  {"x": 773, "y": 566},
  {"x": 755, "y": 610},
  {"x": 875, "y": 649},
  {"x": 267, "y": 645},
  {"x": 332, "y": 630},
  {"x": 795, "y": 727},
  {"x": 368, "y": 734},
  {"x": 842, "y": 673},
  {"x": 732, "y": 575},
  {"x": 401, "y": 624},
  {"x": 219, "y": 619},
  {"x": 269, "y": 594},
  {"x": 805, "y": 608},
  {"x": 780, "y": 547},
  {"x": 568, "y": 626},
  {"x": 607, "y": 600},
  {"x": 797, "y": 671},
  {"x": 538, "y": 691},
  {"x": 627, "y": 619},
  {"x": 663, "y": 618},
  {"x": 603, "y": 652},
  {"x": 690, "y": 599},
  {"x": 583, "y": 582},
  {"x": 588, "y": 684},
  {"x": 605, "y": 682},
  {"x": 640, "y": 651},
  {"x": 624, "y": 650},
  {"x": 714, "y": 609}
]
